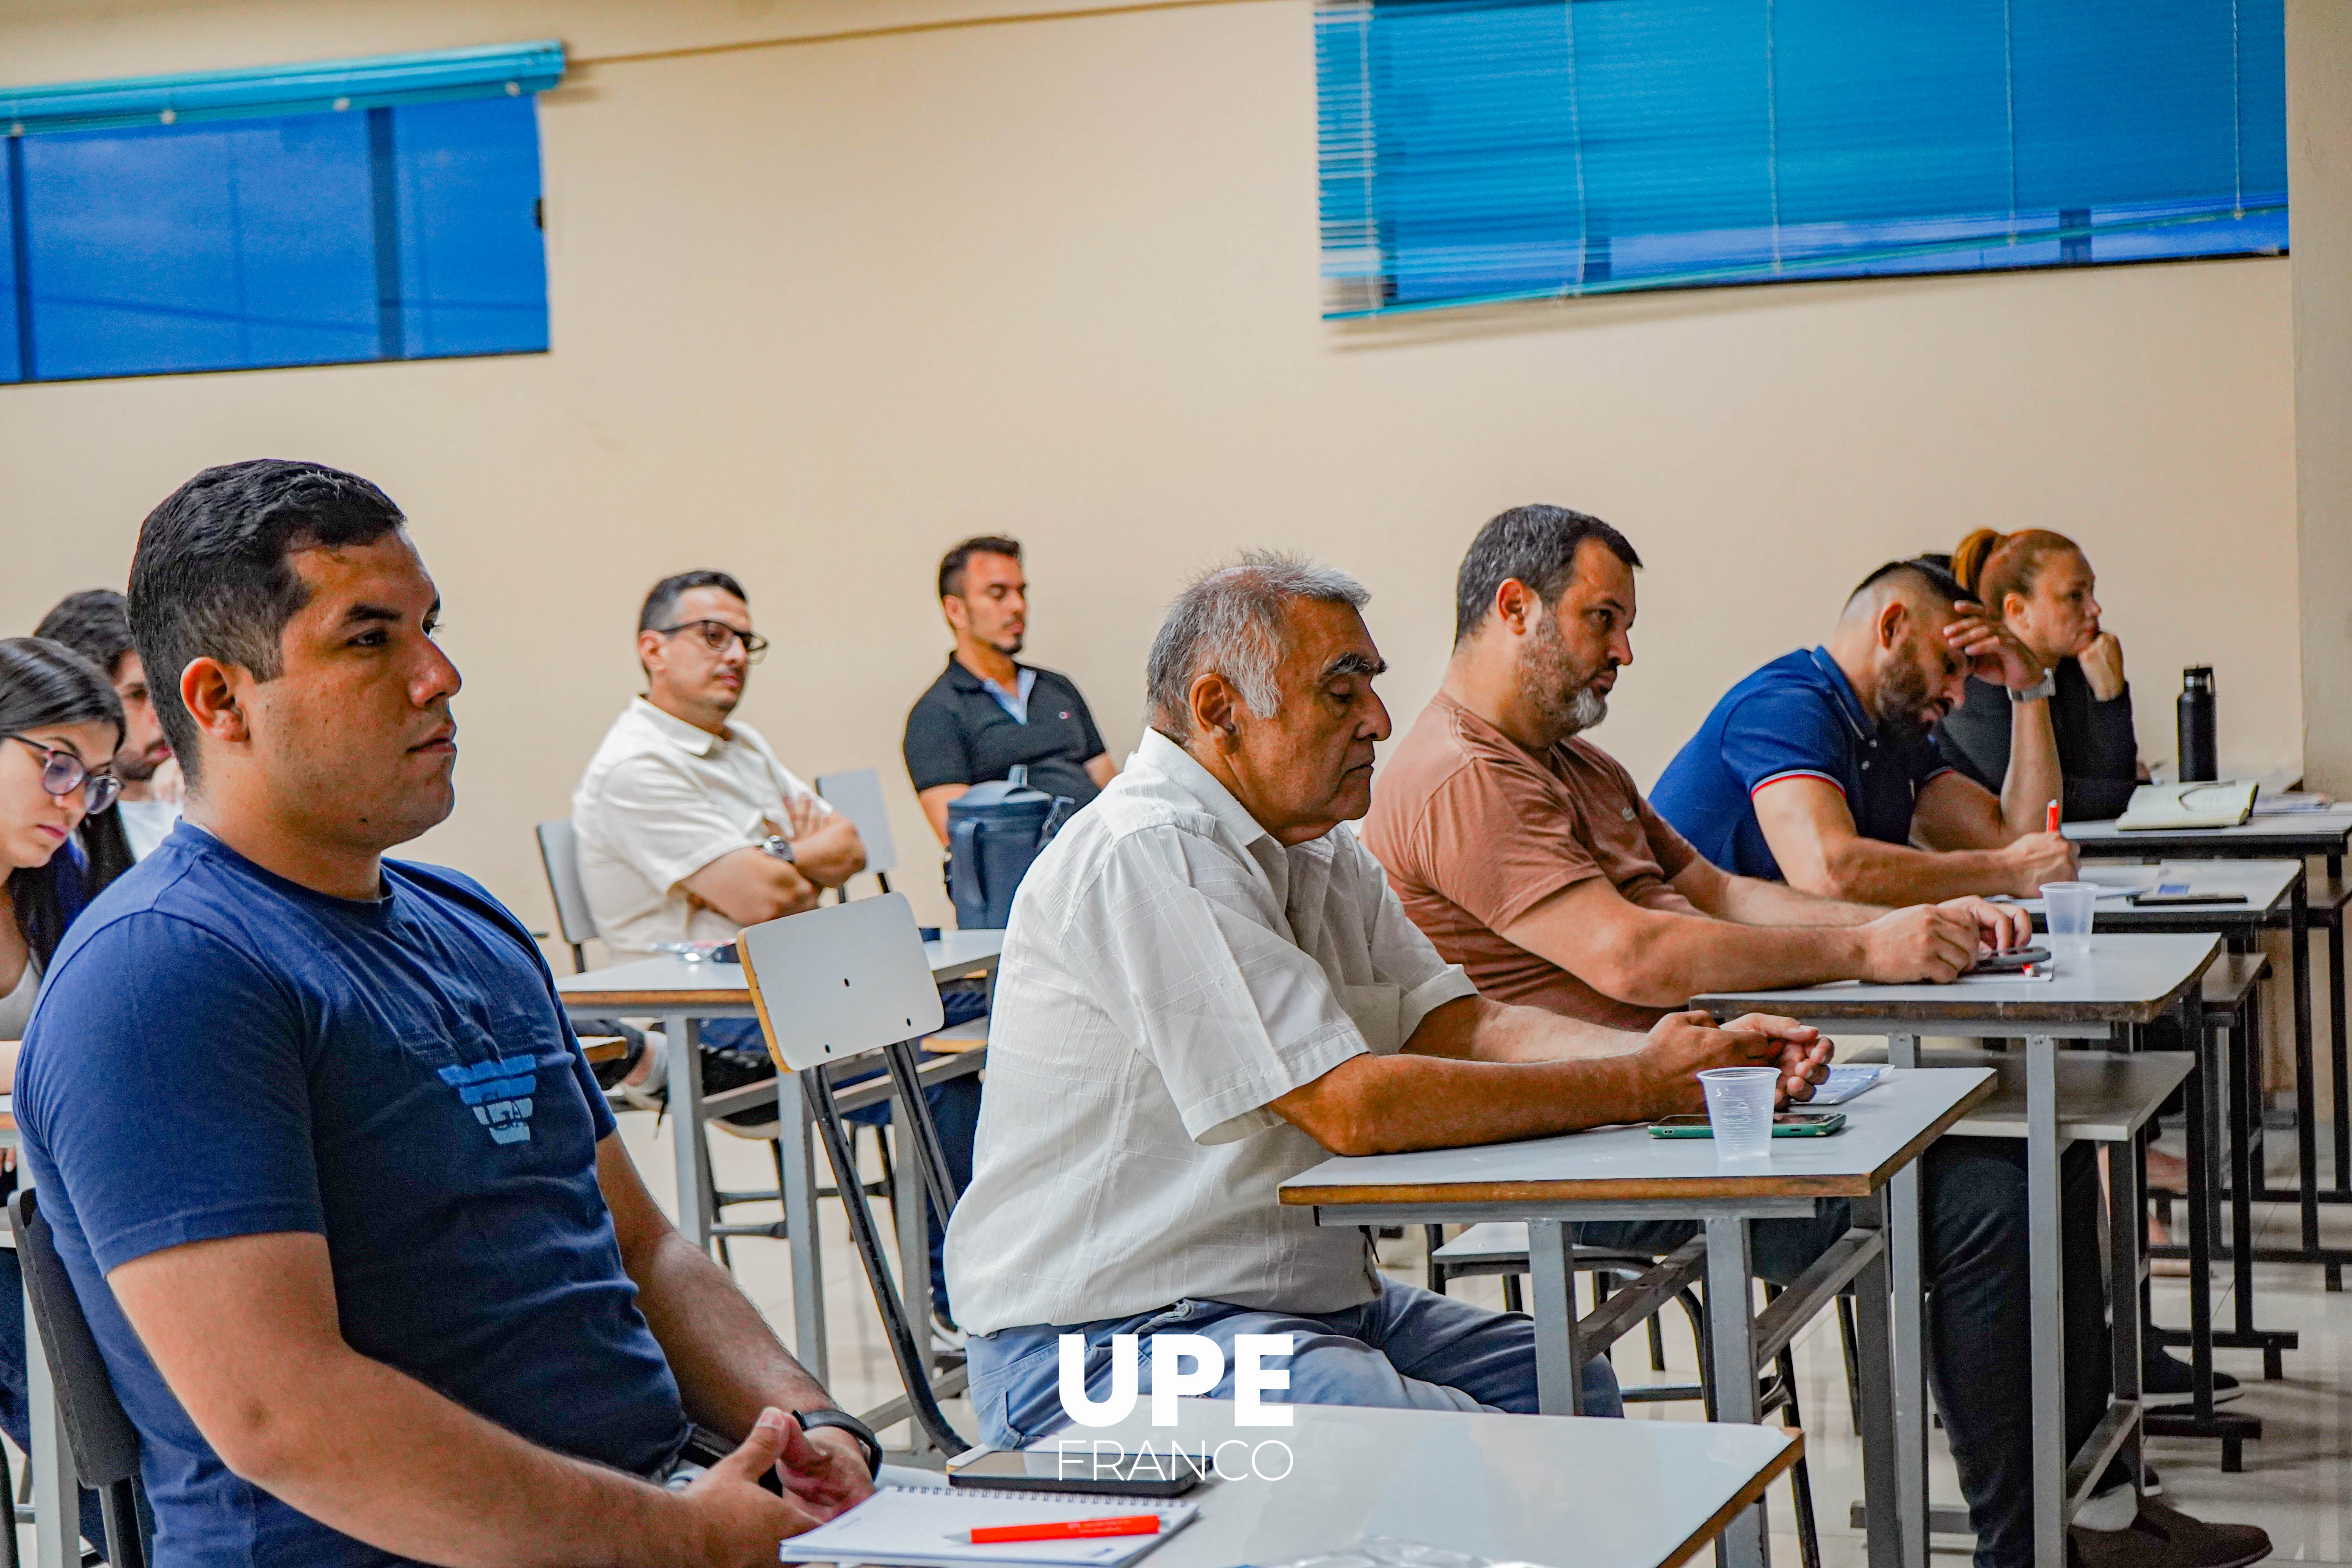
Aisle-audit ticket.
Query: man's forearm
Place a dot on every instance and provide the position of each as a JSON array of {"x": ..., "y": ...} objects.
[
  {"x": 424, "y": 1477},
  {"x": 729, "y": 1364},
  {"x": 1750, "y": 900},
  {"x": 1864, "y": 870},
  {"x": 1412, "y": 1102}
]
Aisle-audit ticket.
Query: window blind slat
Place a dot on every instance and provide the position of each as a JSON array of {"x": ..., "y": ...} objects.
[{"x": 1482, "y": 149}]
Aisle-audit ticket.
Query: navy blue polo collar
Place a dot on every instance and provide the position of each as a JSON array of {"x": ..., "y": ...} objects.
[{"x": 1848, "y": 703}]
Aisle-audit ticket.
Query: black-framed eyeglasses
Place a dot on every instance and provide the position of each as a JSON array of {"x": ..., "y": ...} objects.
[
  {"x": 62, "y": 773},
  {"x": 717, "y": 635}
]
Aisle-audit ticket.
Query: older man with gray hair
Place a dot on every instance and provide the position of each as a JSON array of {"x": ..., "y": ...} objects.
[{"x": 1206, "y": 990}]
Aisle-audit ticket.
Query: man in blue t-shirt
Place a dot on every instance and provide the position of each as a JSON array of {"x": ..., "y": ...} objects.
[
  {"x": 371, "y": 1274},
  {"x": 1818, "y": 769}
]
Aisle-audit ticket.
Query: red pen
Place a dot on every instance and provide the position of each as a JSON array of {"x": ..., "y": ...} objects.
[
  {"x": 2050, "y": 825},
  {"x": 1076, "y": 1529}
]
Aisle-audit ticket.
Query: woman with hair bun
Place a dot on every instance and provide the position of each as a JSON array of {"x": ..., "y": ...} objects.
[{"x": 2040, "y": 585}]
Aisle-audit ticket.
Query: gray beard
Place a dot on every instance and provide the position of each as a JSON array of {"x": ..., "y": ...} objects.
[{"x": 1544, "y": 675}]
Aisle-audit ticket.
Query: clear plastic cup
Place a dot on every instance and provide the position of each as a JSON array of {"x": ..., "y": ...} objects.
[
  {"x": 2068, "y": 907},
  {"x": 1739, "y": 1111}
]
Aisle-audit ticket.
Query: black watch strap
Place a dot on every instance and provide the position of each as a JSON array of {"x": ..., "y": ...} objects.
[{"x": 812, "y": 1419}]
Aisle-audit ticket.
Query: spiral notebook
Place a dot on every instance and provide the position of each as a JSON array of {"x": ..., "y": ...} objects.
[{"x": 930, "y": 1527}]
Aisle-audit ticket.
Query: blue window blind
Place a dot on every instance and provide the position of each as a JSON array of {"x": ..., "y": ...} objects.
[
  {"x": 1476, "y": 151},
  {"x": 354, "y": 210}
]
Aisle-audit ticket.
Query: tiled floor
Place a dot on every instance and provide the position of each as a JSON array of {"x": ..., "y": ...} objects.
[{"x": 2297, "y": 1482}]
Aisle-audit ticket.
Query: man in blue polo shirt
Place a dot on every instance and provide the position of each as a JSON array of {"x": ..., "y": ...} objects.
[
  {"x": 1818, "y": 770},
  {"x": 371, "y": 1272}
]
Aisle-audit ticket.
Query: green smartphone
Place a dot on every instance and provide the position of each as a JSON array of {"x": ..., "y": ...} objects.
[{"x": 1785, "y": 1124}]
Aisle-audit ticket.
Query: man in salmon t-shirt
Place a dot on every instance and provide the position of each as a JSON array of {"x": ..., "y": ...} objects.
[{"x": 1527, "y": 856}]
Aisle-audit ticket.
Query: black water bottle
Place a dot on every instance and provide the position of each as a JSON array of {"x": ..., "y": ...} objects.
[{"x": 2199, "y": 754}]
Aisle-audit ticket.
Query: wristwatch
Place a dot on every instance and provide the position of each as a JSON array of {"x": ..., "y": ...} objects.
[
  {"x": 811, "y": 1420},
  {"x": 779, "y": 846},
  {"x": 2040, "y": 690}
]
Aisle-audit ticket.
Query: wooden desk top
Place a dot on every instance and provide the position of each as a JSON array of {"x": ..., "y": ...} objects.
[
  {"x": 1527, "y": 1489},
  {"x": 2325, "y": 832},
  {"x": 2129, "y": 978},
  {"x": 670, "y": 983},
  {"x": 1885, "y": 1130}
]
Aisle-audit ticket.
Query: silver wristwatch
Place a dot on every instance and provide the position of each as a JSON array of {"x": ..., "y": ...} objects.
[
  {"x": 779, "y": 846},
  {"x": 2040, "y": 690}
]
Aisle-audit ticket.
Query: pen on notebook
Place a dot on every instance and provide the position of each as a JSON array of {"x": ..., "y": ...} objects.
[
  {"x": 1073, "y": 1530},
  {"x": 2050, "y": 823}
]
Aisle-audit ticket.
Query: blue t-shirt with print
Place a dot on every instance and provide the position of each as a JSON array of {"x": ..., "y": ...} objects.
[
  {"x": 220, "y": 1052},
  {"x": 1798, "y": 717}
]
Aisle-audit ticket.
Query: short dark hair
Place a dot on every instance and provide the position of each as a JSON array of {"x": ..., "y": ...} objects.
[
  {"x": 951, "y": 565},
  {"x": 662, "y": 603},
  {"x": 95, "y": 624},
  {"x": 213, "y": 578},
  {"x": 1536, "y": 544},
  {"x": 1934, "y": 570}
]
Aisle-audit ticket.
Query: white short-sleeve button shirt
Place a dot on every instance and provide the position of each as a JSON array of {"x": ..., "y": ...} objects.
[
  {"x": 660, "y": 800},
  {"x": 1169, "y": 970}
]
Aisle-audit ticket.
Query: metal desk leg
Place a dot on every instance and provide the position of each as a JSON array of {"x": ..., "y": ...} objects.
[
  {"x": 911, "y": 1217},
  {"x": 2339, "y": 1056},
  {"x": 2126, "y": 1223},
  {"x": 2307, "y": 1128},
  {"x": 801, "y": 1224},
  {"x": 1909, "y": 1334},
  {"x": 56, "y": 1495},
  {"x": 2044, "y": 1244},
  {"x": 694, "y": 1216},
  {"x": 1884, "y": 1492},
  {"x": 1559, "y": 1368},
  {"x": 1731, "y": 1347}
]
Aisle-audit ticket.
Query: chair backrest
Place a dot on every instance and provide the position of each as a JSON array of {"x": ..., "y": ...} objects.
[
  {"x": 559, "y": 851},
  {"x": 105, "y": 1444},
  {"x": 857, "y": 796},
  {"x": 840, "y": 981},
  {"x": 844, "y": 981},
  {"x": 98, "y": 1429}
]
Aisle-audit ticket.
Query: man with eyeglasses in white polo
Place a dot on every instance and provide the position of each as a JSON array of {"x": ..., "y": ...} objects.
[{"x": 689, "y": 828}]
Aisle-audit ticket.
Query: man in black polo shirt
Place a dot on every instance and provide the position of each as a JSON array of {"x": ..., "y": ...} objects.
[{"x": 987, "y": 714}]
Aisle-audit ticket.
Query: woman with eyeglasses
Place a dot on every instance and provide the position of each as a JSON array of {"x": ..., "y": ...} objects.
[
  {"x": 60, "y": 844},
  {"x": 60, "y": 724}
]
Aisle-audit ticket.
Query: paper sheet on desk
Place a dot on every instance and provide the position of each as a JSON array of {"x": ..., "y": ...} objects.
[{"x": 2106, "y": 891}]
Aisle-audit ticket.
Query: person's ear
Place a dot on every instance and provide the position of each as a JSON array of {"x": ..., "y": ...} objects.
[
  {"x": 649, "y": 648},
  {"x": 2012, "y": 604},
  {"x": 1515, "y": 602},
  {"x": 959, "y": 612},
  {"x": 1214, "y": 706},
  {"x": 1891, "y": 618},
  {"x": 210, "y": 691}
]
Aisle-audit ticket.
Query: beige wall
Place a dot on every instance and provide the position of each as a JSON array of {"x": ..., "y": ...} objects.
[
  {"x": 2319, "y": 152},
  {"x": 819, "y": 309}
]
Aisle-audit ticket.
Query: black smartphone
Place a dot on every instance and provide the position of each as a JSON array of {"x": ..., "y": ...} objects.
[
  {"x": 2010, "y": 962},
  {"x": 2152, "y": 901},
  {"x": 1077, "y": 1465},
  {"x": 1785, "y": 1124}
]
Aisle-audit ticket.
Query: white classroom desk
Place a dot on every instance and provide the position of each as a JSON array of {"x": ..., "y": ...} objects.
[
  {"x": 681, "y": 993},
  {"x": 1588, "y": 1491},
  {"x": 1622, "y": 1172},
  {"x": 2127, "y": 982}
]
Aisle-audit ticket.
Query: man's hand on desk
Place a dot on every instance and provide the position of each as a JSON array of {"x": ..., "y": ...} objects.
[
  {"x": 825, "y": 1470},
  {"x": 2039, "y": 858},
  {"x": 740, "y": 1522},
  {"x": 1940, "y": 943},
  {"x": 1682, "y": 1045}
]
